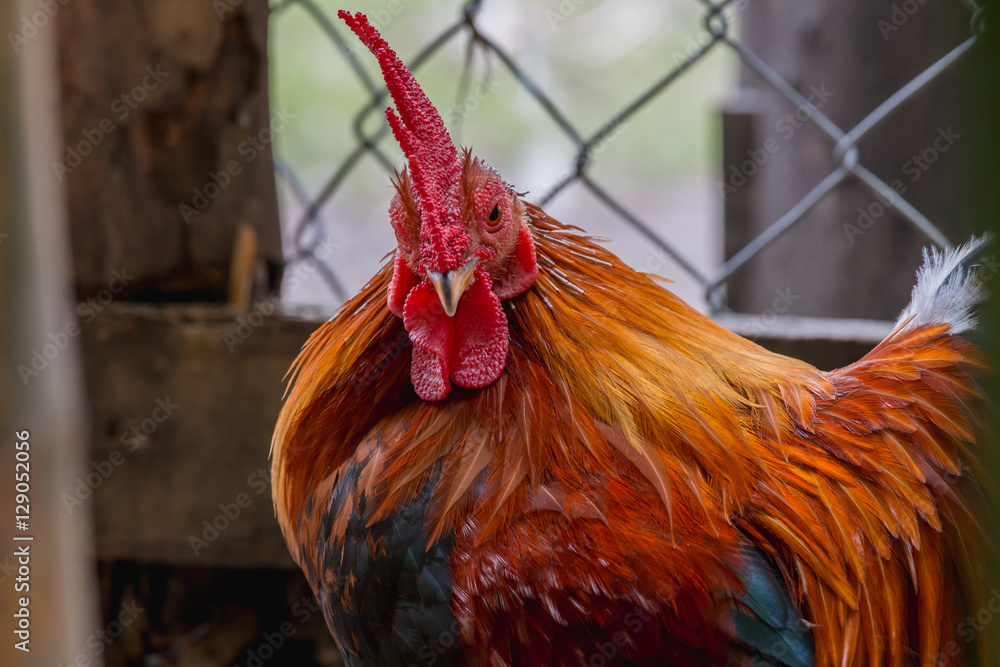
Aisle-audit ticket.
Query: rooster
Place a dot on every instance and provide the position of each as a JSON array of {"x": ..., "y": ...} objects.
[{"x": 510, "y": 448}]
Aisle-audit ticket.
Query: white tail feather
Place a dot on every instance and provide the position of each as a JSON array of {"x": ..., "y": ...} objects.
[{"x": 946, "y": 289}]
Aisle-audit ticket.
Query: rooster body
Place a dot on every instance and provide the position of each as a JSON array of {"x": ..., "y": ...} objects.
[{"x": 635, "y": 485}]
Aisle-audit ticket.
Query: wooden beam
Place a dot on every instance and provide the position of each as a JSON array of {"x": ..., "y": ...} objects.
[{"x": 183, "y": 402}]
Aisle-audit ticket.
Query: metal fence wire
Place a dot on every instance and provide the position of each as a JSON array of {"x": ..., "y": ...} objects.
[{"x": 307, "y": 233}]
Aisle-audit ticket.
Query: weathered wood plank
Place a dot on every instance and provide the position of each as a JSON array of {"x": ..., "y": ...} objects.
[
  {"x": 183, "y": 403},
  {"x": 167, "y": 137}
]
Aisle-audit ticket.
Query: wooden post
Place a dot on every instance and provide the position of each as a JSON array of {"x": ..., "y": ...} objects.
[
  {"x": 53, "y": 596},
  {"x": 851, "y": 256},
  {"x": 167, "y": 134}
]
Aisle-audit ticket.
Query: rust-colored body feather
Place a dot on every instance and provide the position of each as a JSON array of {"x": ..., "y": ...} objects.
[{"x": 629, "y": 448}]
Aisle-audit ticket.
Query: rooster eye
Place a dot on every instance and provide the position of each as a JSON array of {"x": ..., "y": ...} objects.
[{"x": 495, "y": 214}]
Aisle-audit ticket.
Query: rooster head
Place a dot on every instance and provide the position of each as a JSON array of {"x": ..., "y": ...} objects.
[{"x": 464, "y": 245}]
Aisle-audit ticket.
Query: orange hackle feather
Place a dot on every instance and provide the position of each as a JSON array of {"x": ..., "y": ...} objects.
[{"x": 622, "y": 410}]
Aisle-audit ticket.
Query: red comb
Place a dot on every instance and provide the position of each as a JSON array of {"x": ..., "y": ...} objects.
[{"x": 435, "y": 169}]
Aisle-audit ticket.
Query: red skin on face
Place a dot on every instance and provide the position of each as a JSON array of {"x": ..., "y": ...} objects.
[{"x": 448, "y": 211}]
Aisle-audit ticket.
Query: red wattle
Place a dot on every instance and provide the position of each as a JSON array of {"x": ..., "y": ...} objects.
[
  {"x": 469, "y": 349},
  {"x": 481, "y": 339},
  {"x": 431, "y": 332}
]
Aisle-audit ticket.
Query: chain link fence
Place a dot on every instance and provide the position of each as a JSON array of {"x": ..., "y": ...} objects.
[{"x": 306, "y": 231}]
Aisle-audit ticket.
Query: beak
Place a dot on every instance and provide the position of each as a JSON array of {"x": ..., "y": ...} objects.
[{"x": 451, "y": 285}]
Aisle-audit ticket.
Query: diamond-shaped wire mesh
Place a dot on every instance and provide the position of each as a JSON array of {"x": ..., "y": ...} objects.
[{"x": 309, "y": 236}]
